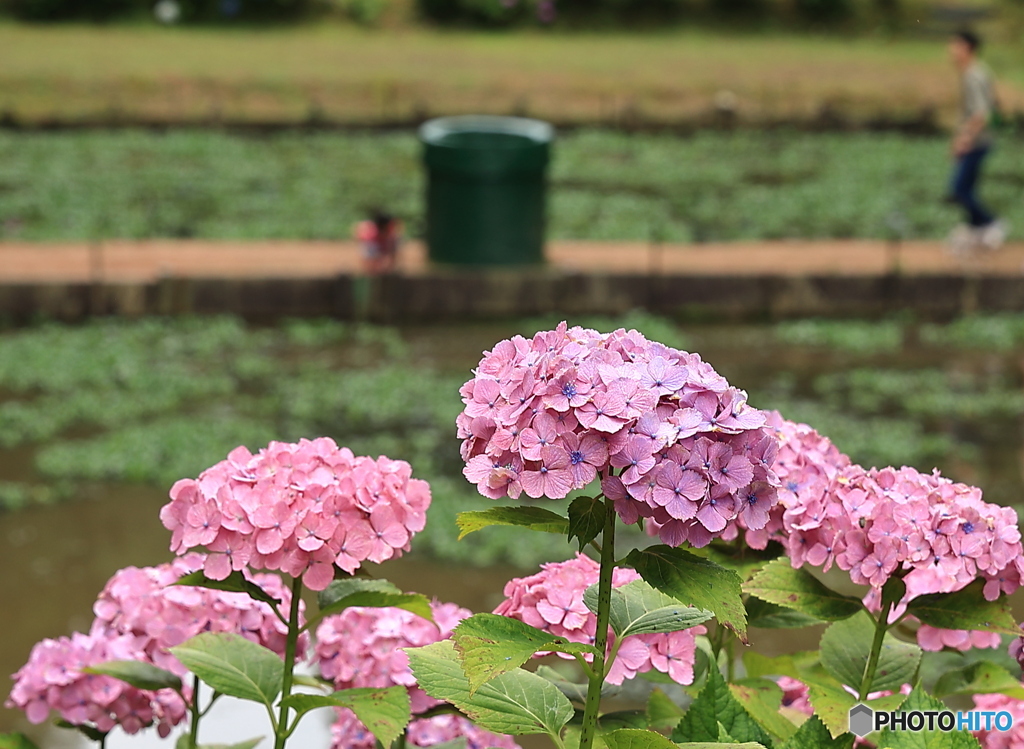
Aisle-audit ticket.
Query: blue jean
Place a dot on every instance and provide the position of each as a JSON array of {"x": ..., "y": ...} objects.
[{"x": 964, "y": 185}]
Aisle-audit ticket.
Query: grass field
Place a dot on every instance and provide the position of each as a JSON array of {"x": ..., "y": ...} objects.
[
  {"x": 605, "y": 185},
  {"x": 350, "y": 75}
]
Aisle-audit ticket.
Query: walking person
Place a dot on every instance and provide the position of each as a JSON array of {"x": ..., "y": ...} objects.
[{"x": 971, "y": 145}]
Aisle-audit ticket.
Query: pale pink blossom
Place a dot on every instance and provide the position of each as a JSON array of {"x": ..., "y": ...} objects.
[
  {"x": 552, "y": 600},
  {"x": 302, "y": 508},
  {"x": 54, "y": 680}
]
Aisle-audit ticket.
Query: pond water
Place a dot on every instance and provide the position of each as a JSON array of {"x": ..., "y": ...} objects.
[{"x": 55, "y": 558}]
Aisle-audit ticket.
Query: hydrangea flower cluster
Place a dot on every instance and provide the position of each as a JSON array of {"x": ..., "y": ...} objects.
[
  {"x": 806, "y": 463},
  {"x": 666, "y": 434},
  {"x": 144, "y": 602},
  {"x": 934, "y": 639},
  {"x": 362, "y": 647},
  {"x": 300, "y": 508},
  {"x": 53, "y": 679},
  {"x": 873, "y": 523},
  {"x": 993, "y": 739},
  {"x": 876, "y": 522},
  {"x": 347, "y": 732},
  {"x": 552, "y": 600}
]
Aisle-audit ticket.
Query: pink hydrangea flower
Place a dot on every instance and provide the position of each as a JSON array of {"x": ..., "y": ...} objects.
[
  {"x": 53, "y": 680},
  {"x": 993, "y": 739},
  {"x": 144, "y": 602},
  {"x": 937, "y": 534},
  {"x": 348, "y": 733},
  {"x": 934, "y": 639},
  {"x": 667, "y": 436},
  {"x": 362, "y": 647},
  {"x": 300, "y": 508},
  {"x": 795, "y": 695},
  {"x": 552, "y": 600}
]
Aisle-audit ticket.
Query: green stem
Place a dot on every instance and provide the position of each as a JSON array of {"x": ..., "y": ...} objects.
[
  {"x": 604, "y": 605},
  {"x": 281, "y": 732},
  {"x": 881, "y": 627},
  {"x": 194, "y": 731}
]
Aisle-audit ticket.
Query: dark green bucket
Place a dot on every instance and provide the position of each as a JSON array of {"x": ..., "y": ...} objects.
[{"x": 486, "y": 189}]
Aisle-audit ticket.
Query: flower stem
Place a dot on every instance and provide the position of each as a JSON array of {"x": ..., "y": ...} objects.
[
  {"x": 604, "y": 605},
  {"x": 194, "y": 731},
  {"x": 881, "y": 627},
  {"x": 289, "y": 662}
]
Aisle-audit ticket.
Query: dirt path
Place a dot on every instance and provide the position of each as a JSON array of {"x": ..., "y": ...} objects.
[{"x": 120, "y": 261}]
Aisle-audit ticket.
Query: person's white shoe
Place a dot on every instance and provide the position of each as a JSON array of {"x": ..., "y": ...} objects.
[
  {"x": 994, "y": 235},
  {"x": 963, "y": 240}
]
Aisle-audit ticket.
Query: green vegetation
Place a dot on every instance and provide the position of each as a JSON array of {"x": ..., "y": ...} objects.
[
  {"x": 344, "y": 74},
  {"x": 606, "y": 185},
  {"x": 152, "y": 401}
]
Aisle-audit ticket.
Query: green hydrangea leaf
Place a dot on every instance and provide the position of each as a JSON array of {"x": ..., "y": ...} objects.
[
  {"x": 716, "y": 705},
  {"x": 694, "y": 581},
  {"x": 779, "y": 583},
  {"x": 384, "y": 712},
  {"x": 490, "y": 644},
  {"x": 533, "y": 518},
  {"x": 515, "y": 703},
  {"x": 966, "y": 609},
  {"x": 233, "y": 665},
  {"x": 846, "y": 646}
]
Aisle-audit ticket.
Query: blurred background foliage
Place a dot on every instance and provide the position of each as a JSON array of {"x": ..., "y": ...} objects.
[
  {"x": 144, "y": 403},
  {"x": 889, "y": 14},
  {"x": 606, "y": 185}
]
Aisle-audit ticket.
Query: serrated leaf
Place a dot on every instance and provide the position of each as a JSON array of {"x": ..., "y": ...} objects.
[
  {"x": 516, "y": 702},
  {"x": 812, "y": 734},
  {"x": 638, "y": 609},
  {"x": 586, "y": 519},
  {"x": 233, "y": 583},
  {"x": 846, "y": 646},
  {"x": 384, "y": 712},
  {"x": 766, "y": 615},
  {"x": 694, "y": 581},
  {"x": 357, "y": 591},
  {"x": 983, "y": 677},
  {"x": 16, "y": 741},
  {"x": 762, "y": 699},
  {"x": 779, "y": 583},
  {"x": 634, "y": 738},
  {"x": 715, "y": 705},
  {"x": 965, "y": 609},
  {"x": 832, "y": 704},
  {"x": 489, "y": 644},
  {"x": 919, "y": 701},
  {"x": 533, "y": 518},
  {"x": 662, "y": 712},
  {"x": 577, "y": 692},
  {"x": 138, "y": 674},
  {"x": 233, "y": 665}
]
